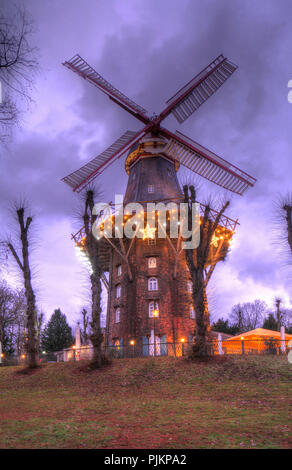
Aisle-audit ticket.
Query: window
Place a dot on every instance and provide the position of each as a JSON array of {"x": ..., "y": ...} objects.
[
  {"x": 152, "y": 283},
  {"x": 117, "y": 315},
  {"x": 118, "y": 291},
  {"x": 151, "y": 262},
  {"x": 190, "y": 286},
  {"x": 151, "y": 241},
  {"x": 192, "y": 313},
  {"x": 150, "y": 188},
  {"x": 119, "y": 269},
  {"x": 153, "y": 306}
]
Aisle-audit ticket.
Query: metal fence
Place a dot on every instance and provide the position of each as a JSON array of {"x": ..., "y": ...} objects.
[
  {"x": 270, "y": 346},
  {"x": 177, "y": 349}
]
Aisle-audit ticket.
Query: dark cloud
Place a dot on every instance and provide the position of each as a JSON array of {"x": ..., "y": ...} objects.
[{"x": 148, "y": 50}]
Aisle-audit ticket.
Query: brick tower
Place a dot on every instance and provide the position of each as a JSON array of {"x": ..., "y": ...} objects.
[{"x": 150, "y": 296}]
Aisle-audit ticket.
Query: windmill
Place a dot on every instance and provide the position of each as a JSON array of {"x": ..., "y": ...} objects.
[
  {"x": 148, "y": 274},
  {"x": 179, "y": 147}
]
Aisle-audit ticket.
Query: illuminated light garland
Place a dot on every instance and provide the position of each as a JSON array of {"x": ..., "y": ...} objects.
[
  {"x": 81, "y": 254},
  {"x": 148, "y": 232}
]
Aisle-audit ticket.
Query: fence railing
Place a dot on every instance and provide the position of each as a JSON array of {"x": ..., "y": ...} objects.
[
  {"x": 175, "y": 349},
  {"x": 178, "y": 349}
]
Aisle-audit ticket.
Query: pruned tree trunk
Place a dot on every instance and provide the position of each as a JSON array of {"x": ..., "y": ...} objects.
[
  {"x": 96, "y": 335},
  {"x": 197, "y": 262},
  {"x": 278, "y": 313},
  {"x": 92, "y": 249},
  {"x": 202, "y": 345},
  {"x": 31, "y": 312},
  {"x": 288, "y": 209},
  {"x": 85, "y": 325}
]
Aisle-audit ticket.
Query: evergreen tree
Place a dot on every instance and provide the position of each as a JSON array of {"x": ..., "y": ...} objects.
[
  {"x": 57, "y": 334},
  {"x": 270, "y": 323},
  {"x": 222, "y": 326}
]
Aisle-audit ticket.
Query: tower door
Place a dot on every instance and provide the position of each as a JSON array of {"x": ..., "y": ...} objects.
[{"x": 154, "y": 345}]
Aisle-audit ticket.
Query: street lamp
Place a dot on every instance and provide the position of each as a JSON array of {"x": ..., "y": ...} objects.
[
  {"x": 183, "y": 346},
  {"x": 155, "y": 315},
  {"x": 242, "y": 345},
  {"x": 132, "y": 343}
]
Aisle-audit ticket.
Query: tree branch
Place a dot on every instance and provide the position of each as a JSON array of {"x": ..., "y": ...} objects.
[{"x": 10, "y": 246}]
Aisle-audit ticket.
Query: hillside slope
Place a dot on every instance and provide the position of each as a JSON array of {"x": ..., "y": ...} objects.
[{"x": 235, "y": 402}]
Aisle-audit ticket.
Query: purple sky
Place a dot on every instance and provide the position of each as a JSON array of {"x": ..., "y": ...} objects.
[{"x": 149, "y": 49}]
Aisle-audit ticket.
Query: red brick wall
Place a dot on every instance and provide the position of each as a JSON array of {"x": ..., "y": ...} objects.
[{"x": 172, "y": 294}]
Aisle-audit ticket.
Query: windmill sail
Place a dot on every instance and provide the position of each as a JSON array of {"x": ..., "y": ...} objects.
[
  {"x": 82, "y": 68},
  {"x": 179, "y": 147},
  {"x": 80, "y": 178},
  {"x": 206, "y": 163},
  {"x": 189, "y": 98}
]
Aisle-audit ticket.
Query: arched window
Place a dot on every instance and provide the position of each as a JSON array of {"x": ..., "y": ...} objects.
[
  {"x": 152, "y": 262},
  {"x": 118, "y": 291},
  {"x": 119, "y": 269},
  {"x": 117, "y": 315},
  {"x": 192, "y": 313},
  {"x": 153, "y": 306},
  {"x": 152, "y": 283}
]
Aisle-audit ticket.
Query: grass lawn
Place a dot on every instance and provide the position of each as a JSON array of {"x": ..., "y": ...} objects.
[{"x": 233, "y": 402}]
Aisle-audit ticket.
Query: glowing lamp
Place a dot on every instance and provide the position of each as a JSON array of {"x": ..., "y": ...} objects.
[
  {"x": 242, "y": 338},
  {"x": 155, "y": 313},
  {"x": 132, "y": 342},
  {"x": 182, "y": 340}
]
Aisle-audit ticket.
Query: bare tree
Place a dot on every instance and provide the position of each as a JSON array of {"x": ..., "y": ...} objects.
[
  {"x": 249, "y": 315},
  {"x": 24, "y": 265},
  {"x": 237, "y": 318},
  {"x": 19, "y": 334},
  {"x": 18, "y": 64},
  {"x": 91, "y": 246},
  {"x": 198, "y": 261},
  {"x": 12, "y": 319},
  {"x": 282, "y": 222},
  {"x": 283, "y": 316},
  {"x": 7, "y": 316},
  {"x": 287, "y": 208},
  {"x": 278, "y": 312}
]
